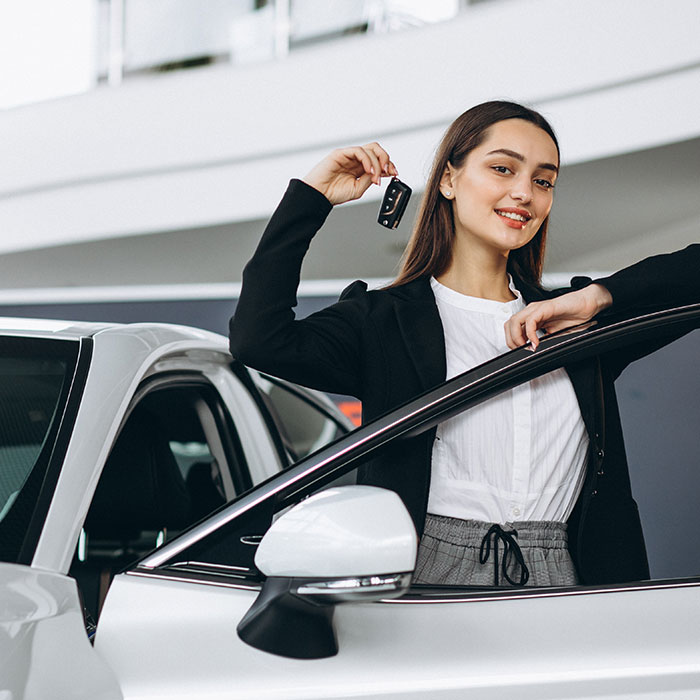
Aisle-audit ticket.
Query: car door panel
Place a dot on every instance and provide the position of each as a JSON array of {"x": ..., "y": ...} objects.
[{"x": 180, "y": 637}]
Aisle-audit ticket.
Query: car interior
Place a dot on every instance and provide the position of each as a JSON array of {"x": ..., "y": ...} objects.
[{"x": 159, "y": 478}]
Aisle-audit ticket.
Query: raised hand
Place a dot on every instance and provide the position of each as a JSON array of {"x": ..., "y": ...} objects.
[
  {"x": 555, "y": 314},
  {"x": 347, "y": 173}
]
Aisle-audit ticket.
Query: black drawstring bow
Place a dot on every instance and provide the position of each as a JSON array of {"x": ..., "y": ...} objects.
[{"x": 510, "y": 546}]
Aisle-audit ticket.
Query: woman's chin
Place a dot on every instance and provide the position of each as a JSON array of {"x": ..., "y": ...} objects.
[{"x": 512, "y": 240}]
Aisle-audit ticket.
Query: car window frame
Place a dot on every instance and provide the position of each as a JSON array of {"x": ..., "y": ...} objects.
[{"x": 414, "y": 417}]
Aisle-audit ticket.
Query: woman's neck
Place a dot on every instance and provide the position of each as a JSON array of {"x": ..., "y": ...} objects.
[{"x": 478, "y": 276}]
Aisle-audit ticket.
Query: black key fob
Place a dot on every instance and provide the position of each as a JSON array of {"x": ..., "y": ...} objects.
[{"x": 394, "y": 203}]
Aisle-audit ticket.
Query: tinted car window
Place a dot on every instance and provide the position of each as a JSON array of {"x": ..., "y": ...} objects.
[
  {"x": 303, "y": 426},
  {"x": 659, "y": 401},
  {"x": 173, "y": 463},
  {"x": 34, "y": 380}
]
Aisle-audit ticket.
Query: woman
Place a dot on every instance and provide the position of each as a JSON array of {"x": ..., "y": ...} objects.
[{"x": 474, "y": 261}]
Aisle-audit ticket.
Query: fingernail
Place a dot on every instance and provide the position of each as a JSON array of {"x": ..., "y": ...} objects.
[{"x": 372, "y": 171}]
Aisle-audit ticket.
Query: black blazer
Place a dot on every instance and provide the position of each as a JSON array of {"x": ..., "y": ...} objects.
[{"x": 387, "y": 346}]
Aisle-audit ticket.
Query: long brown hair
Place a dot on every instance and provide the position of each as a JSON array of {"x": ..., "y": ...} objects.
[{"x": 429, "y": 251}]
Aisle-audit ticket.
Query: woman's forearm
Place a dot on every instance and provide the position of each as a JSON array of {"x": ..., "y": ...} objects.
[{"x": 671, "y": 278}]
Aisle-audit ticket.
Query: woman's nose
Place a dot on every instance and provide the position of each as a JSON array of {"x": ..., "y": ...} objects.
[
  {"x": 522, "y": 191},
  {"x": 521, "y": 194}
]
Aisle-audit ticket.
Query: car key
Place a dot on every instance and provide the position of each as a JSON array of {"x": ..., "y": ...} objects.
[{"x": 394, "y": 203}]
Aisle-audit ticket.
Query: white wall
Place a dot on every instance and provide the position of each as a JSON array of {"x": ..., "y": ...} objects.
[
  {"x": 217, "y": 145},
  {"x": 47, "y": 48}
]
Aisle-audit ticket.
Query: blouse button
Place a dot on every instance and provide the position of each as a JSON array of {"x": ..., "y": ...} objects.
[{"x": 516, "y": 511}]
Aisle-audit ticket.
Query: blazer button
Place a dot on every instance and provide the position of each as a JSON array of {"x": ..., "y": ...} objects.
[
  {"x": 601, "y": 473},
  {"x": 601, "y": 453},
  {"x": 594, "y": 492}
]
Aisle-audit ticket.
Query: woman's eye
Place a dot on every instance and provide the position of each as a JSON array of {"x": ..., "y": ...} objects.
[
  {"x": 501, "y": 169},
  {"x": 545, "y": 183}
]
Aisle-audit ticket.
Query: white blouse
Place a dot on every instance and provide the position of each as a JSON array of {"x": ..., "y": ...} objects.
[{"x": 518, "y": 456}]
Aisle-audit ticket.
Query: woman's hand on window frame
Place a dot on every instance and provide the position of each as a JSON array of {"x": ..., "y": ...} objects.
[{"x": 555, "y": 314}]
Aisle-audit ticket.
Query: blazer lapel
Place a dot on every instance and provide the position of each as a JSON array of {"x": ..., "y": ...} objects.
[
  {"x": 583, "y": 378},
  {"x": 421, "y": 331}
]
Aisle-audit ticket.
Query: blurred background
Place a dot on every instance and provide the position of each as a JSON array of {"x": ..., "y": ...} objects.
[{"x": 145, "y": 142}]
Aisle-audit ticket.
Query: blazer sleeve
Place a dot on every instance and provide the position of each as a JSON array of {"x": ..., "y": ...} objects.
[
  {"x": 321, "y": 351},
  {"x": 670, "y": 278},
  {"x": 661, "y": 279}
]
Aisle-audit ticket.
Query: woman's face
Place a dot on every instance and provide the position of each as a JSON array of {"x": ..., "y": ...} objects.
[{"x": 503, "y": 191}]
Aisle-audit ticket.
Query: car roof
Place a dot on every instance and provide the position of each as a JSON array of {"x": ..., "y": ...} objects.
[
  {"x": 74, "y": 330},
  {"x": 50, "y": 327}
]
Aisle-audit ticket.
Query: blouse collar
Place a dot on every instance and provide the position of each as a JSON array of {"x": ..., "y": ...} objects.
[{"x": 487, "y": 306}]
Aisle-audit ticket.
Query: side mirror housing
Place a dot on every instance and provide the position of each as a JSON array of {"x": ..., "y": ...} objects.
[{"x": 345, "y": 544}]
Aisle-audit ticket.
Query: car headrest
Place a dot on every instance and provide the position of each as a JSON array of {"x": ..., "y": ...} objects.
[{"x": 141, "y": 487}]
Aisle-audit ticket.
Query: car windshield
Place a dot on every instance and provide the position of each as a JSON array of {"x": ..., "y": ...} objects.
[{"x": 34, "y": 376}]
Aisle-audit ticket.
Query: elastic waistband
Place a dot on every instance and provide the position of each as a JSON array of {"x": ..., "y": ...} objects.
[{"x": 548, "y": 534}]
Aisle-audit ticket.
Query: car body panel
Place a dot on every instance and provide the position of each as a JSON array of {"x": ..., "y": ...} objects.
[
  {"x": 44, "y": 651},
  {"x": 598, "y": 644}
]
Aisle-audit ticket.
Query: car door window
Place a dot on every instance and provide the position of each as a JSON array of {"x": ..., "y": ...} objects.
[
  {"x": 647, "y": 346},
  {"x": 659, "y": 400},
  {"x": 303, "y": 425},
  {"x": 174, "y": 461}
]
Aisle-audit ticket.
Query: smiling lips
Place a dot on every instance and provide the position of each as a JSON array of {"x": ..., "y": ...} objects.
[{"x": 515, "y": 218}]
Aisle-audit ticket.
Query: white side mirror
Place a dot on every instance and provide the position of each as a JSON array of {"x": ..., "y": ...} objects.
[
  {"x": 351, "y": 543},
  {"x": 344, "y": 531}
]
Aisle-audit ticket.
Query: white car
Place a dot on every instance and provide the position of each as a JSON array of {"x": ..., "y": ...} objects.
[
  {"x": 299, "y": 587},
  {"x": 171, "y": 430}
]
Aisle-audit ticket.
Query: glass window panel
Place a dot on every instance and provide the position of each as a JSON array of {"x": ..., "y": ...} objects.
[{"x": 34, "y": 376}]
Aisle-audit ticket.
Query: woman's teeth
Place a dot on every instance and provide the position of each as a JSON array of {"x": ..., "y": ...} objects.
[{"x": 511, "y": 215}]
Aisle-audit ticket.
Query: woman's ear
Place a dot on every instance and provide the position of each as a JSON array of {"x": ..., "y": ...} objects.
[{"x": 446, "y": 182}]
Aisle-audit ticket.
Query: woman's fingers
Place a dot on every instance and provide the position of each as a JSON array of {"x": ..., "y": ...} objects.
[
  {"x": 386, "y": 166},
  {"x": 346, "y": 173},
  {"x": 509, "y": 331},
  {"x": 556, "y": 314},
  {"x": 374, "y": 160},
  {"x": 377, "y": 167},
  {"x": 350, "y": 158},
  {"x": 532, "y": 324},
  {"x": 522, "y": 327},
  {"x": 514, "y": 330}
]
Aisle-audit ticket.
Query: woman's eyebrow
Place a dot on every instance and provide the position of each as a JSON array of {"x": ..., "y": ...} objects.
[{"x": 521, "y": 158}]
